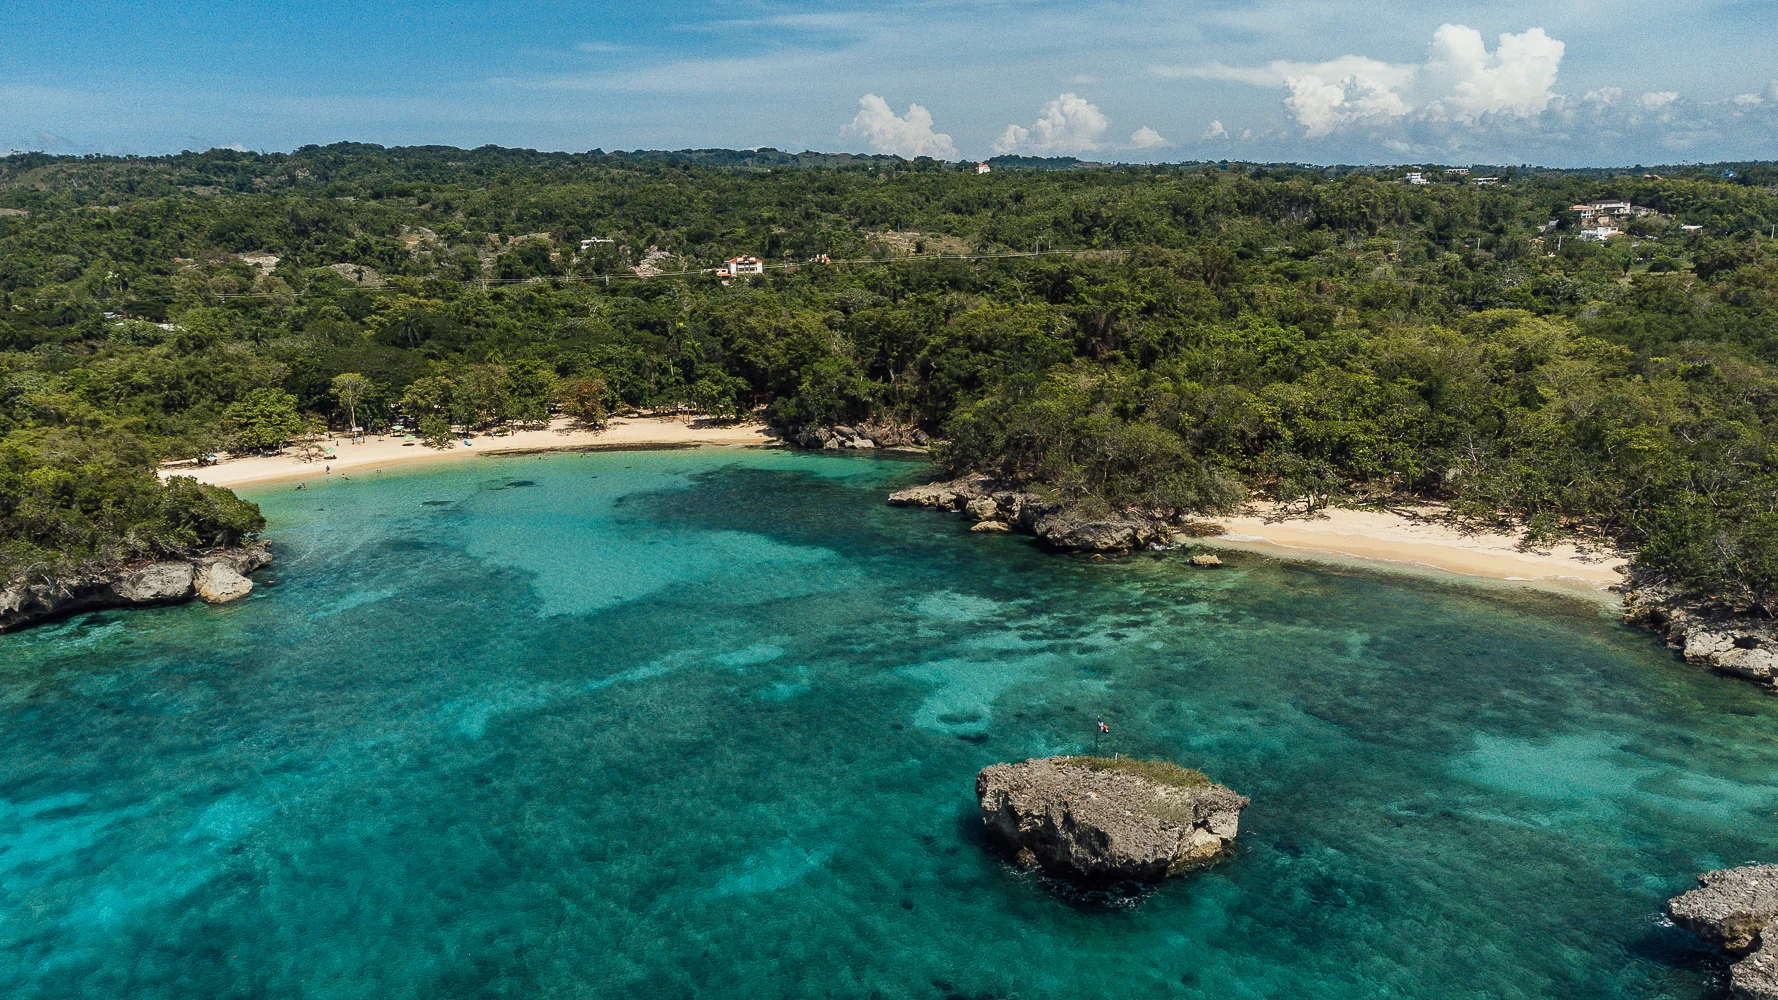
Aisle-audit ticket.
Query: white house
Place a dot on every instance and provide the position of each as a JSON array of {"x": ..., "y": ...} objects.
[
  {"x": 744, "y": 265},
  {"x": 586, "y": 245},
  {"x": 1415, "y": 178},
  {"x": 1599, "y": 234},
  {"x": 983, "y": 168}
]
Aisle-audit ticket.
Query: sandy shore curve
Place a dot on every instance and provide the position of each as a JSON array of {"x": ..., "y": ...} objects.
[
  {"x": 379, "y": 453},
  {"x": 1420, "y": 540}
]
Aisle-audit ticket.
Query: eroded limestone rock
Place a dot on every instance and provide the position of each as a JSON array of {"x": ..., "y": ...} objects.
[
  {"x": 1107, "y": 819},
  {"x": 218, "y": 583}
]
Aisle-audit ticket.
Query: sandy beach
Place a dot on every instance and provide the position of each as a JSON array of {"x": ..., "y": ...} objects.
[
  {"x": 1416, "y": 542},
  {"x": 379, "y": 453}
]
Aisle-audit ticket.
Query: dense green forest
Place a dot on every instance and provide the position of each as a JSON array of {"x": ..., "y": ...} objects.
[{"x": 1312, "y": 335}]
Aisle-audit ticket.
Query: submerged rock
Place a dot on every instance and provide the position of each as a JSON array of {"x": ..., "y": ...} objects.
[
  {"x": 1205, "y": 560},
  {"x": 1737, "y": 910},
  {"x": 1100, "y": 818}
]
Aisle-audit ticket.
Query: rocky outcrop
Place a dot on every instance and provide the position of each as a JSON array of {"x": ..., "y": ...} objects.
[
  {"x": 218, "y": 577},
  {"x": 1070, "y": 533},
  {"x": 1099, "y": 818},
  {"x": 1736, "y": 909},
  {"x": 217, "y": 582},
  {"x": 989, "y": 501},
  {"x": 870, "y": 435},
  {"x": 1742, "y": 646}
]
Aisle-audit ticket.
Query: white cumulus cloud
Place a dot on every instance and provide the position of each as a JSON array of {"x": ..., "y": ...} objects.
[
  {"x": 1655, "y": 100},
  {"x": 908, "y": 136},
  {"x": 1067, "y": 125},
  {"x": 1215, "y": 131},
  {"x": 1147, "y": 138},
  {"x": 1462, "y": 81},
  {"x": 1468, "y": 81}
]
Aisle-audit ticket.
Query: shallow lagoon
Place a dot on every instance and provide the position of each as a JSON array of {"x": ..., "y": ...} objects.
[{"x": 705, "y": 723}]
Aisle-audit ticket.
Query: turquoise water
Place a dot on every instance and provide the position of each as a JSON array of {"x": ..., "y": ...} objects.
[{"x": 706, "y": 723}]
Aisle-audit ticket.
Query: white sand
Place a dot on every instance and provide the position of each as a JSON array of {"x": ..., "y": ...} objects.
[
  {"x": 378, "y": 453},
  {"x": 1413, "y": 542}
]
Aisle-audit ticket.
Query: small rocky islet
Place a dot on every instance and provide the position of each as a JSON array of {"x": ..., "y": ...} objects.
[{"x": 1107, "y": 819}]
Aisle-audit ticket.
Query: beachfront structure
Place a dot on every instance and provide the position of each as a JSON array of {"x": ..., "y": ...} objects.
[{"x": 744, "y": 265}]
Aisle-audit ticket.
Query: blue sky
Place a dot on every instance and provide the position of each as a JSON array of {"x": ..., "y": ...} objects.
[{"x": 1576, "y": 83}]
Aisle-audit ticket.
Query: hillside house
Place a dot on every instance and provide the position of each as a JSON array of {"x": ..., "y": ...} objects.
[
  {"x": 983, "y": 168},
  {"x": 1415, "y": 177},
  {"x": 1599, "y": 234},
  {"x": 1609, "y": 209},
  {"x": 744, "y": 265}
]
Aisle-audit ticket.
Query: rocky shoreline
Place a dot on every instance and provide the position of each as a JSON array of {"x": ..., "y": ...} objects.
[
  {"x": 217, "y": 577},
  {"x": 861, "y": 436},
  {"x": 1732, "y": 909},
  {"x": 1740, "y": 646},
  {"x": 998, "y": 506}
]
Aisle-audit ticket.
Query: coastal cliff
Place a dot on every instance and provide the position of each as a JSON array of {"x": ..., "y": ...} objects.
[
  {"x": 1105, "y": 818},
  {"x": 216, "y": 576},
  {"x": 1734, "y": 909}
]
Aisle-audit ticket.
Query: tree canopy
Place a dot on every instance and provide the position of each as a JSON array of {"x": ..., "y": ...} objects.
[{"x": 1314, "y": 335}]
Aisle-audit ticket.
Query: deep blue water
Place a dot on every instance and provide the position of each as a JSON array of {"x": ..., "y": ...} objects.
[{"x": 706, "y": 723}]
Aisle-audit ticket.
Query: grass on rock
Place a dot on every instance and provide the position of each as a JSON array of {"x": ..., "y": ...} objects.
[{"x": 1158, "y": 771}]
